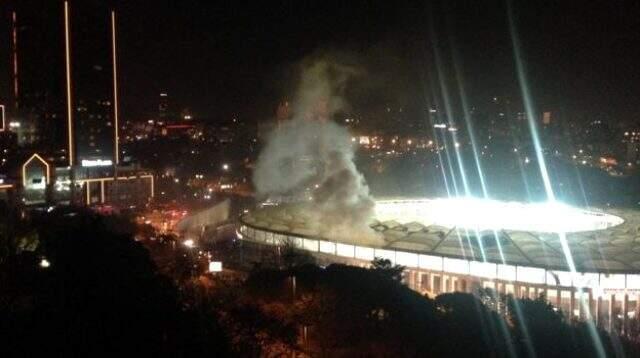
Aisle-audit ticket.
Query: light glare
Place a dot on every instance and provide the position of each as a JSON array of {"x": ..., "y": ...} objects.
[{"x": 490, "y": 215}]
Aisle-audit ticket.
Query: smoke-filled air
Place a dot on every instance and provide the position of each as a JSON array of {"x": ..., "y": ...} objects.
[{"x": 310, "y": 159}]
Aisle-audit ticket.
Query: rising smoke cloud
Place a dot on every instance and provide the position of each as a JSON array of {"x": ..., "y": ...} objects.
[{"x": 311, "y": 158}]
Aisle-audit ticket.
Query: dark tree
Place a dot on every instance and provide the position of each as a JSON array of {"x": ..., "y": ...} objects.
[
  {"x": 101, "y": 295},
  {"x": 385, "y": 268},
  {"x": 468, "y": 328}
]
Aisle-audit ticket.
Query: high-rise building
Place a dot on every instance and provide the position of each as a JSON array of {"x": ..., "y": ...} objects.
[
  {"x": 163, "y": 106},
  {"x": 92, "y": 82},
  {"x": 67, "y": 90},
  {"x": 36, "y": 101}
]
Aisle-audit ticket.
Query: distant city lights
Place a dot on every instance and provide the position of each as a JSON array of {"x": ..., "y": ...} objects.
[{"x": 44, "y": 263}]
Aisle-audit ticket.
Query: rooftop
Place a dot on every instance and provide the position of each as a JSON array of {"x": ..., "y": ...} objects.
[{"x": 612, "y": 244}]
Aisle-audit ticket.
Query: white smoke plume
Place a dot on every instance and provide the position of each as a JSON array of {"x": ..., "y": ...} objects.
[{"x": 311, "y": 158}]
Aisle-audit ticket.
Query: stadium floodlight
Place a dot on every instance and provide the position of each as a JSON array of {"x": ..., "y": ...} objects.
[{"x": 491, "y": 215}]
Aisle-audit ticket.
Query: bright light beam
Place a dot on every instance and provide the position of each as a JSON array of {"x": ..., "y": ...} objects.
[
  {"x": 449, "y": 114},
  {"x": 528, "y": 103}
]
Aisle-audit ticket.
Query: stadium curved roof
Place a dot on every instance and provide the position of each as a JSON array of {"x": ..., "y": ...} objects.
[{"x": 612, "y": 250}]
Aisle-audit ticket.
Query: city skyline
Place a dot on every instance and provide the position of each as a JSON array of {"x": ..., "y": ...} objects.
[
  {"x": 319, "y": 178},
  {"x": 226, "y": 60}
]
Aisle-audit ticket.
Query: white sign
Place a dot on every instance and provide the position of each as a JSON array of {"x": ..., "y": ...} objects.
[
  {"x": 96, "y": 163},
  {"x": 215, "y": 266}
]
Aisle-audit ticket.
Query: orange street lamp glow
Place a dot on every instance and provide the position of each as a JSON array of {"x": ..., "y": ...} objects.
[
  {"x": 116, "y": 153},
  {"x": 67, "y": 52},
  {"x": 106, "y": 179},
  {"x": 14, "y": 43}
]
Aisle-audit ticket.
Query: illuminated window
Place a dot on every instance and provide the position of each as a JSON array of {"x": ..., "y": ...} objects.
[
  {"x": 613, "y": 281},
  {"x": 327, "y": 247},
  {"x": 484, "y": 269},
  {"x": 456, "y": 266},
  {"x": 507, "y": 272},
  {"x": 531, "y": 275},
  {"x": 364, "y": 253},
  {"x": 407, "y": 259},
  {"x": 345, "y": 250},
  {"x": 310, "y": 245},
  {"x": 430, "y": 262}
]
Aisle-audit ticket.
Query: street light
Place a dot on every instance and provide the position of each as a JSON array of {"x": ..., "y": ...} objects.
[
  {"x": 225, "y": 166},
  {"x": 215, "y": 266},
  {"x": 189, "y": 243}
]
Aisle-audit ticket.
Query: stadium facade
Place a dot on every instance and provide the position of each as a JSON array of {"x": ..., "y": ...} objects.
[{"x": 450, "y": 245}]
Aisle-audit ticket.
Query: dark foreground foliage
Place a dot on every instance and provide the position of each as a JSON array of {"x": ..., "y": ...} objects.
[
  {"x": 100, "y": 296},
  {"x": 104, "y": 295}
]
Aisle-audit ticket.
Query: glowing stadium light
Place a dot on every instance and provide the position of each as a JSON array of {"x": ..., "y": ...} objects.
[
  {"x": 528, "y": 104},
  {"x": 483, "y": 215},
  {"x": 364, "y": 253},
  {"x": 328, "y": 247},
  {"x": 429, "y": 262}
]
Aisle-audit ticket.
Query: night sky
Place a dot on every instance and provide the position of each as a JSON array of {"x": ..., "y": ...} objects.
[{"x": 227, "y": 58}]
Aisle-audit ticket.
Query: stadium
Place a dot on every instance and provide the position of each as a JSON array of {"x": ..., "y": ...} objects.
[{"x": 586, "y": 262}]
